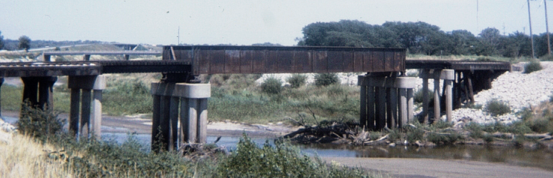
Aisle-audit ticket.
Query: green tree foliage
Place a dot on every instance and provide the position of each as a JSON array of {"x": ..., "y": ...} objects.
[
  {"x": 24, "y": 43},
  {"x": 420, "y": 38},
  {"x": 325, "y": 79}
]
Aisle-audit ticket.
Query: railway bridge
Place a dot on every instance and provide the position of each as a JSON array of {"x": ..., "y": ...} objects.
[{"x": 386, "y": 93}]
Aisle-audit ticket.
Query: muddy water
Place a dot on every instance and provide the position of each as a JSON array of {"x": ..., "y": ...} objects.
[{"x": 541, "y": 158}]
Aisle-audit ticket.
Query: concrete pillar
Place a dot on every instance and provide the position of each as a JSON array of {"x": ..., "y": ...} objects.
[
  {"x": 448, "y": 75},
  {"x": 45, "y": 92},
  {"x": 1, "y": 82},
  {"x": 82, "y": 96},
  {"x": 74, "y": 110},
  {"x": 85, "y": 112},
  {"x": 156, "y": 117},
  {"x": 371, "y": 105},
  {"x": 363, "y": 105},
  {"x": 405, "y": 86},
  {"x": 188, "y": 126},
  {"x": 437, "y": 109},
  {"x": 193, "y": 112},
  {"x": 30, "y": 88},
  {"x": 202, "y": 120},
  {"x": 424, "y": 76},
  {"x": 174, "y": 118},
  {"x": 126, "y": 56},
  {"x": 96, "y": 117},
  {"x": 86, "y": 57},
  {"x": 391, "y": 94},
  {"x": 380, "y": 107}
]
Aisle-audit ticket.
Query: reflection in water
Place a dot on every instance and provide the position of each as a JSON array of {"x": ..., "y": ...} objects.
[{"x": 542, "y": 158}]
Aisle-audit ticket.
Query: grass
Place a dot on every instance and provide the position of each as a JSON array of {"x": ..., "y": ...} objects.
[
  {"x": 532, "y": 66},
  {"x": 497, "y": 108},
  {"x": 61, "y": 155}
]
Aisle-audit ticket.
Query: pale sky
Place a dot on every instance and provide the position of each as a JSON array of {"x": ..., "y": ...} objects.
[{"x": 244, "y": 22}]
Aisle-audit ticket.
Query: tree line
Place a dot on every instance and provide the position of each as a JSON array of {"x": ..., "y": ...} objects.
[
  {"x": 24, "y": 42},
  {"x": 421, "y": 38}
]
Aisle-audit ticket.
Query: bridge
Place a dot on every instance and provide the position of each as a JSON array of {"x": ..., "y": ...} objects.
[{"x": 386, "y": 93}]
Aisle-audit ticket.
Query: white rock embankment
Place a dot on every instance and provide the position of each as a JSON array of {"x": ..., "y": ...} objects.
[
  {"x": 516, "y": 89},
  {"x": 6, "y": 131}
]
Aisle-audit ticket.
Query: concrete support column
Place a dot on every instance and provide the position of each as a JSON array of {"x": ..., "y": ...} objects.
[
  {"x": 391, "y": 97},
  {"x": 30, "y": 89},
  {"x": 448, "y": 75},
  {"x": 86, "y": 92},
  {"x": 371, "y": 105},
  {"x": 96, "y": 118},
  {"x": 1, "y": 82},
  {"x": 405, "y": 86},
  {"x": 363, "y": 104},
  {"x": 202, "y": 120},
  {"x": 193, "y": 114},
  {"x": 85, "y": 112},
  {"x": 380, "y": 107},
  {"x": 437, "y": 109},
  {"x": 46, "y": 92},
  {"x": 74, "y": 110},
  {"x": 424, "y": 76}
]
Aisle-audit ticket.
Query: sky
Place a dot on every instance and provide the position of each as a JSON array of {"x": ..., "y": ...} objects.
[{"x": 245, "y": 22}]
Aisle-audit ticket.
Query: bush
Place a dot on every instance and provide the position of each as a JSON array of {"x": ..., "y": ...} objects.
[
  {"x": 418, "y": 96},
  {"x": 532, "y": 67},
  {"x": 297, "y": 80},
  {"x": 39, "y": 124},
  {"x": 282, "y": 160},
  {"x": 443, "y": 139},
  {"x": 497, "y": 108},
  {"x": 326, "y": 79},
  {"x": 271, "y": 86}
]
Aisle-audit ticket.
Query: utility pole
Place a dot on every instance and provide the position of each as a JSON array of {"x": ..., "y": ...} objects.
[
  {"x": 530, "y": 22},
  {"x": 547, "y": 28}
]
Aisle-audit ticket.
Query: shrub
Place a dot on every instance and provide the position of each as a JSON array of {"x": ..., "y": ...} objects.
[
  {"x": 326, "y": 79},
  {"x": 443, "y": 139},
  {"x": 282, "y": 160},
  {"x": 546, "y": 57},
  {"x": 497, "y": 108},
  {"x": 532, "y": 67},
  {"x": 418, "y": 96},
  {"x": 297, "y": 80},
  {"x": 39, "y": 124},
  {"x": 271, "y": 86}
]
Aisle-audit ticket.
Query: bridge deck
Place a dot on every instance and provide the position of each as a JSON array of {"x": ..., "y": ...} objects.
[
  {"x": 81, "y": 68},
  {"x": 457, "y": 65},
  {"x": 270, "y": 59}
]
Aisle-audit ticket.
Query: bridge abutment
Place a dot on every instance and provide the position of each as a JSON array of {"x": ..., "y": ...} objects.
[
  {"x": 191, "y": 100},
  {"x": 86, "y": 94},
  {"x": 380, "y": 105}
]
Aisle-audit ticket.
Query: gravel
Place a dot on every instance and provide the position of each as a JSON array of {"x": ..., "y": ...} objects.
[{"x": 516, "y": 89}]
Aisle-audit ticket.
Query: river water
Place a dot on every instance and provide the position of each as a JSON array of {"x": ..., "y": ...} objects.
[{"x": 542, "y": 158}]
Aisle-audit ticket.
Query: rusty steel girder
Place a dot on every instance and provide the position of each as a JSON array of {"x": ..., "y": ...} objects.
[{"x": 270, "y": 59}]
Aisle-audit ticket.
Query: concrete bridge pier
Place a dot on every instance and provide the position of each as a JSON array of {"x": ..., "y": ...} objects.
[
  {"x": 448, "y": 75},
  {"x": 86, "y": 93},
  {"x": 191, "y": 100},
  {"x": 38, "y": 91},
  {"x": 380, "y": 105}
]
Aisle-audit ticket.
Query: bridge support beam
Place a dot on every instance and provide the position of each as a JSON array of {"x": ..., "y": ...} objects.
[
  {"x": 86, "y": 92},
  {"x": 448, "y": 75},
  {"x": 38, "y": 91},
  {"x": 1, "y": 82},
  {"x": 192, "y": 99},
  {"x": 380, "y": 105}
]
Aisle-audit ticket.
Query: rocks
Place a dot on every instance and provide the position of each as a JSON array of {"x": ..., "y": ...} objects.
[{"x": 516, "y": 89}]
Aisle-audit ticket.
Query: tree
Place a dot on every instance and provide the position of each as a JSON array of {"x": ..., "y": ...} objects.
[
  {"x": 24, "y": 43},
  {"x": 1, "y": 40}
]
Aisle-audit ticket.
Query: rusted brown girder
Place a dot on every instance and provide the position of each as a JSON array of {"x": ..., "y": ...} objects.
[{"x": 270, "y": 59}]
